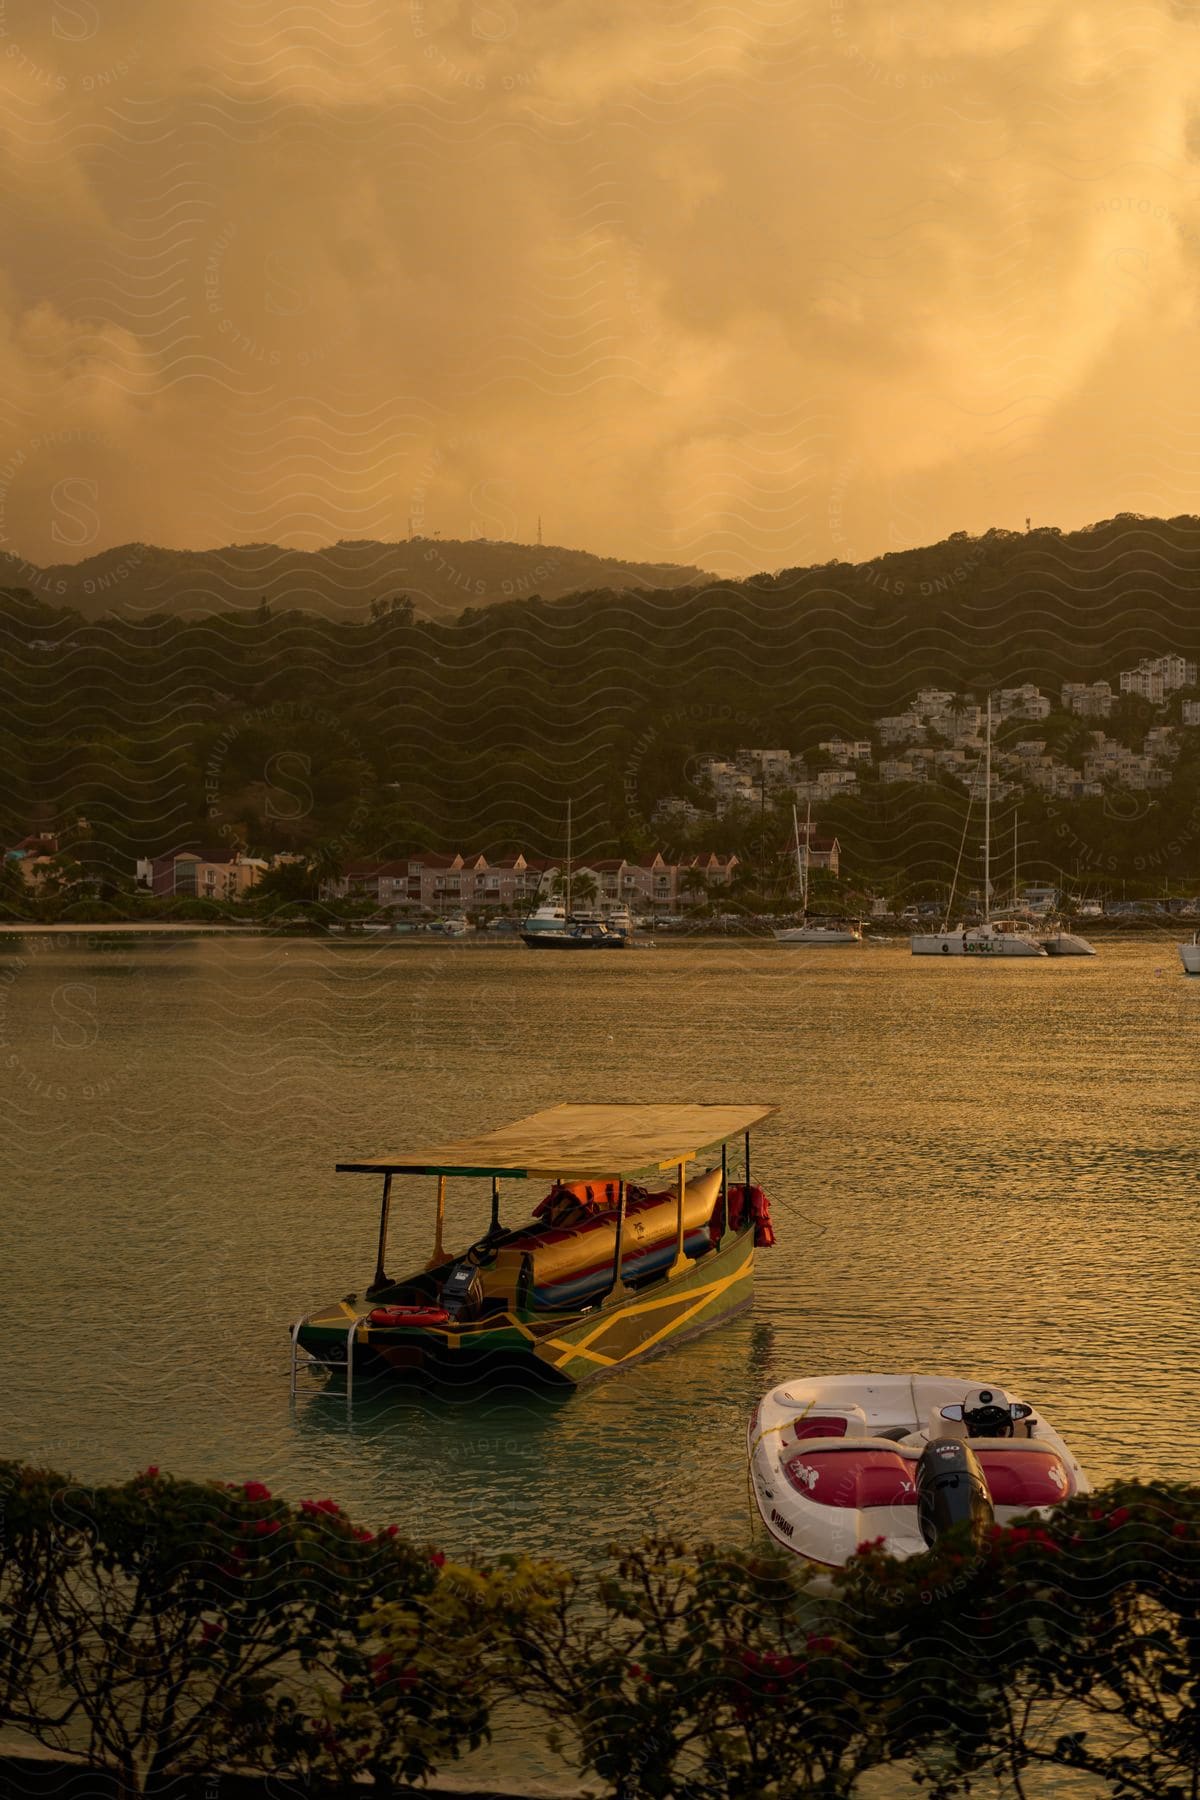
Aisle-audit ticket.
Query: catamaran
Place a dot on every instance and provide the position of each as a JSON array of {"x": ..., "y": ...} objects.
[
  {"x": 813, "y": 931},
  {"x": 994, "y": 937},
  {"x": 609, "y": 1266}
]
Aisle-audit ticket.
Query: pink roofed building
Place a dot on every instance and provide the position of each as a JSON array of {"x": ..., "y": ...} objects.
[{"x": 435, "y": 882}]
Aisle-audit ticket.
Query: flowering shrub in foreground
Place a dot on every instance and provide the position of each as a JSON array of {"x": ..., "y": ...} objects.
[{"x": 164, "y": 1627}]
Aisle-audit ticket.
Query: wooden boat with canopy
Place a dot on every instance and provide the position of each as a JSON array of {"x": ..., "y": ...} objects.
[{"x": 608, "y": 1267}]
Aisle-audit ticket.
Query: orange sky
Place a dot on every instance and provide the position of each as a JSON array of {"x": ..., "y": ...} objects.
[{"x": 744, "y": 285}]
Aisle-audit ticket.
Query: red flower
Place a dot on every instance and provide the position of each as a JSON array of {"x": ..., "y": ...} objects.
[
  {"x": 254, "y": 1490},
  {"x": 1118, "y": 1515},
  {"x": 363, "y": 1535},
  {"x": 312, "y": 1507},
  {"x": 209, "y": 1631},
  {"x": 266, "y": 1527},
  {"x": 151, "y": 1474},
  {"x": 390, "y": 1531},
  {"x": 1180, "y": 1528},
  {"x": 438, "y": 1559}
]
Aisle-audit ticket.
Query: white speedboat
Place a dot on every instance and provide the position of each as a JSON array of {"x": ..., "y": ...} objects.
[
  {"x": 995, "y": 937},
  {"x": 1189, "y": 955},
  {"x": 815, "y": 933},
  {"x": 845, "y": 1459}
]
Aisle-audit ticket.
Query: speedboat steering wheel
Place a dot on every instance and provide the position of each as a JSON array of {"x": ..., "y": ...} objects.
[{"x": 988, "y": 1419}]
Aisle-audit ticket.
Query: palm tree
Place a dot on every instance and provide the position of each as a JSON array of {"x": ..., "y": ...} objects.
[
  {"x": 327, "y": 863},
  {"x": 695, "y": 883},
  {"x": 583, "y": 888}
]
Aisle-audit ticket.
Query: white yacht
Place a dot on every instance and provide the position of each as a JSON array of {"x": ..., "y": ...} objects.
[
  {"x": 1189, "y": 955},
  {"x": 994, "y": 937},
  {"x": 550, "y": 916},
  {"x": 812, "y": 931}
]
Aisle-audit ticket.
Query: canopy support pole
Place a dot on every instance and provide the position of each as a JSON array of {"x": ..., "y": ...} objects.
[
  {"x": 681, "y": 1261},
  {"x": 723, "y": 1202},
  {"x": 618, "y": 1287},
  {"x": 380, "y": 1278},
  {"x": 439, "y": 1253},
  {"x": 494, "y": 1227}
]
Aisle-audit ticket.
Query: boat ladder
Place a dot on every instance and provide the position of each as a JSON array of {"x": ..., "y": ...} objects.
[{"x": 359, "y": 1319}]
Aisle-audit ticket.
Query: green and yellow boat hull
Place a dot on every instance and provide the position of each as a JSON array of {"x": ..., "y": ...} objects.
[{"x": 539, "y": 1346}]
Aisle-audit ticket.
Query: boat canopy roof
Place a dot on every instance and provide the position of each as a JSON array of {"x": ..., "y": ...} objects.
[{"x": 575, "y": 1143}]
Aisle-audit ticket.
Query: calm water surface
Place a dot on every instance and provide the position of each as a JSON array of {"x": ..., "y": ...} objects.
[
  {"x": 986, "y": 1170},
  {"x": 975, "y": 1169}
]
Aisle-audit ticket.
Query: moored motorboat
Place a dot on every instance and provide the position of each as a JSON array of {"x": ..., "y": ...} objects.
[
  {"x": 556, "y": 926},
  {"x": 550, "y": 916},
  {"x": 1189, "y": 955},
  {"x": 845, "y": 1459},
  {"x": 603, "y": 1271},
  {"x": 595, "y": 935}
]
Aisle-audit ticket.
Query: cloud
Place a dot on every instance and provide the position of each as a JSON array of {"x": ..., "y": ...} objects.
[{"x": 745, "y": 286}]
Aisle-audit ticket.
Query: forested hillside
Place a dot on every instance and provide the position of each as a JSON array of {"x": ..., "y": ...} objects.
[
  {"x": 386, "y": 734},
  {"x": 439, "y": 576}
]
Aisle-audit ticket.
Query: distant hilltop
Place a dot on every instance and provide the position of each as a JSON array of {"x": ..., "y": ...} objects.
[{"x": 441, "y": 576}]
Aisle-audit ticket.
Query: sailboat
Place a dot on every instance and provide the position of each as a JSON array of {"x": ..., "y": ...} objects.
[
  {"x": 555, "y": 928},
  {"x": 994, "y": 937},
  {"x": 806, "y": 933}
]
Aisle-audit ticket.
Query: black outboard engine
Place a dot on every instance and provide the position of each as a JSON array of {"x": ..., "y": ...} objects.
[
  {"x": 951, "y": 1491},
  {"x": 462, "y": 1290}
]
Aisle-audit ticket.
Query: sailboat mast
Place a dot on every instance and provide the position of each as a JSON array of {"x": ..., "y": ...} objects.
[
  {"x": 796, "y": 841},
  {"x": 807, "y": 853},
  {"x": 567, "y": 891},
  {"x": 987, "y": 818}
]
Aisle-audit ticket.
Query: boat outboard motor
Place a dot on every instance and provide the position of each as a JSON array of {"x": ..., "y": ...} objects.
[
  {"x": 951, "y": 1491},
  {"x": 462, "y": 1290}
]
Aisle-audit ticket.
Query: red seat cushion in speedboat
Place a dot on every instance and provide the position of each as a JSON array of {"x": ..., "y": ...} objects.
[
  {"x": 1025, "y": 1477},
  {"x": 855, "y": 1478},
  {"x": 813, "y": 1425}
]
